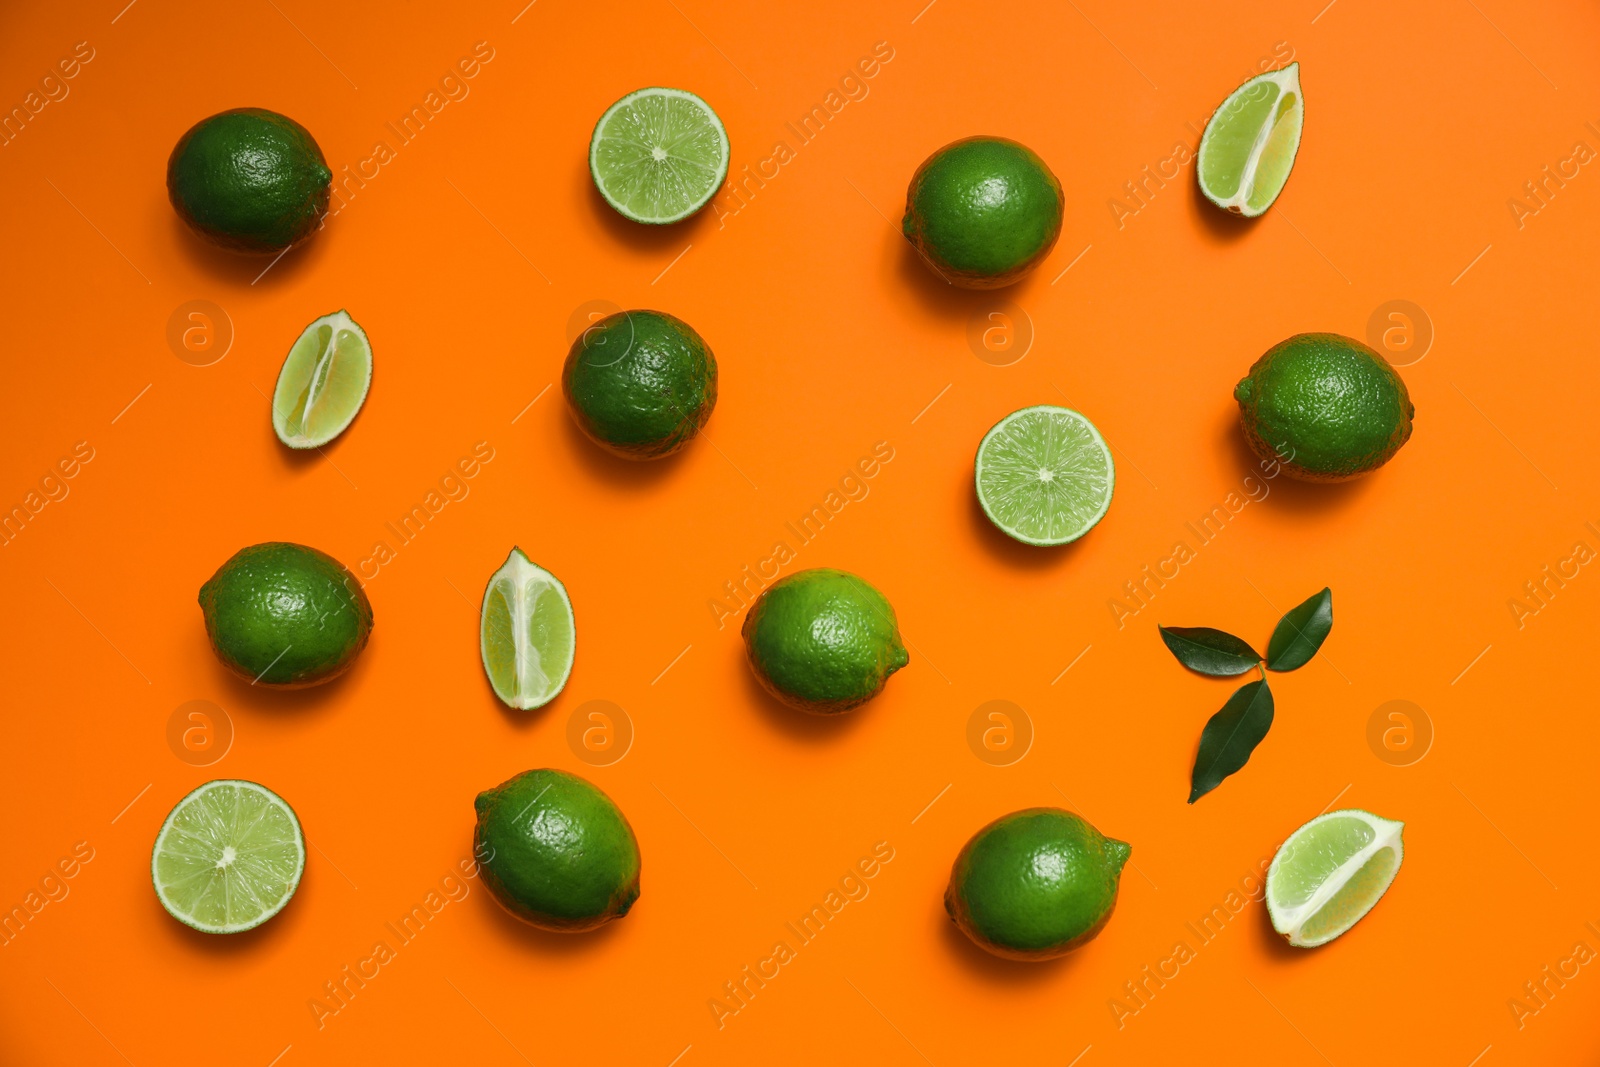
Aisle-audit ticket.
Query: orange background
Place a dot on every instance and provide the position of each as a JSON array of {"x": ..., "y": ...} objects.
[{"x": 465, "y": 258}]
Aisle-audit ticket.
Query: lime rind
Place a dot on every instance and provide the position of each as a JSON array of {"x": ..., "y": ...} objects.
[
  {"x": 1250, "y": 143},
  {"x": 1044, "y": 475},
  {"x": 324, "y": 382},
  {"x": 229, "y": 856},
  {"x": 1352, "y": 857},
  {"x": 659, "y": 155},
  {"x": 527, "y": 635}
]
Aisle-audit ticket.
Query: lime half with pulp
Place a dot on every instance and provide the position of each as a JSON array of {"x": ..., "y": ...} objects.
[
  {"x": 1044, "y": 475},
  {"x": 228, "y": 858},
  {"x": 658, "y": 155},
  {"x": 1250, "y": 143},
  {"x": 1330, "y": 873},
  {"x": 527, "y": 633},
  {"x": 323, "y": 383}
]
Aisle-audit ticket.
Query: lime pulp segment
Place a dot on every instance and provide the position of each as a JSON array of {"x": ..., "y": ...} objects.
[
  {"x": 1250, "y": 143},
  {"x": 659, "y": 155},
  {"x": 228, "y": 858},
  {"x": 528, "y": 635},
  {"x": 1045, "y": 475},
  {"x": 1330, "y": 873},
  {"x": 323, "y": 383}
]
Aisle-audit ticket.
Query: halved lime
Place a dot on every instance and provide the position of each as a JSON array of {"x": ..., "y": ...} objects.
[
  {"x": 323, "y": 383},
  {"x": 228, "y": 858},
  {"x": 1330, "y": 873},
  {"x": 1044, "y": 475},
  {"x": 658, "y": 155},
  {"x": 1250, "y": 143},
  {"x": 527, "y": 634}
]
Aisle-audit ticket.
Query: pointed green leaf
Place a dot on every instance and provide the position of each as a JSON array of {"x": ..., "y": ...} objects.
[
  {"x": 1300, "y": 633},
  {"x": 1231, "y": 735},
  {"x": 1213, "y": 652}
]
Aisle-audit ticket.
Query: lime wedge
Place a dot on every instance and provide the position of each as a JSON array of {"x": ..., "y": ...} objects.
[
  {"x": 527, "y": 635},
  {"x": 658, "y": 155},
  {"x": 1250, "y": 143},
  {"x": 1330, "y": 873},
  {"x": 228, "y": 858},
  {"x": 1044, "y": 475},
  {"x": 323, "y": 383}
]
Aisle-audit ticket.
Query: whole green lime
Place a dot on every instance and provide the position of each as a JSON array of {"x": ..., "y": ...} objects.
[
  {"x": 284, "y": 615},
  {"x": 249, "y": 180},
  {"x": 1326, "y": 407},
  {"x": 1035, "y": 884},
  {"x": 983, "y": 212},
  {"x": 640, "y": 383},
  {"x": 823, "y": 641},
  {"x": 556, "y": 852}
]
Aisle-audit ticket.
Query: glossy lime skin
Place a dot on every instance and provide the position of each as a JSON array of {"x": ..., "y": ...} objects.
[
  {"x": 285, "y": 616},
  {"x": 1035, "y": 884},
  {"x": 249, "y": 180},
  {"x": 1326, "y": 406},
  {"x": 823, "y": 641},
  {"x": 640, "y": 383},
  {"x": 556, "y": 852},
  {"x": 983, "y": 212}
]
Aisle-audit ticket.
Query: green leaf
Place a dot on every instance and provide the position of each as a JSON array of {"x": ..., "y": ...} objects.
[
  {"x": 1230, "y": 736},
  {"x": 1213, "y": 652},
  {"x": 1300, "y": 633}
]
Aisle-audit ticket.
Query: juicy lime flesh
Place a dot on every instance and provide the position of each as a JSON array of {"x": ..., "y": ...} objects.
[
  {"x": 640, "y": 383},
  {"x": 562, "y": 855},
  {"x": 823, "y": 640},
  {"x": 1036, "y": 881},
  {"x": 1045, "y": 475},
  {"x": 983, "y": 211},
  {"x": 528, "y": 639},
  {"x": 499, "y": 641},
  {"x": 1314, "y": 854},
  {"x": 323, "y": 382},
  {"x": 1233, "y": 133},
  {"x": 1346, "y": 907},
  {"x": 249, "y": 179},
  {"x": 229, "y": 857},
  {"x": 1277, "y": 155},
  {"x": 1327, "y": 405},
  {"x": 282, "y": 614},
  {"x": 659, "y": 155}
]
